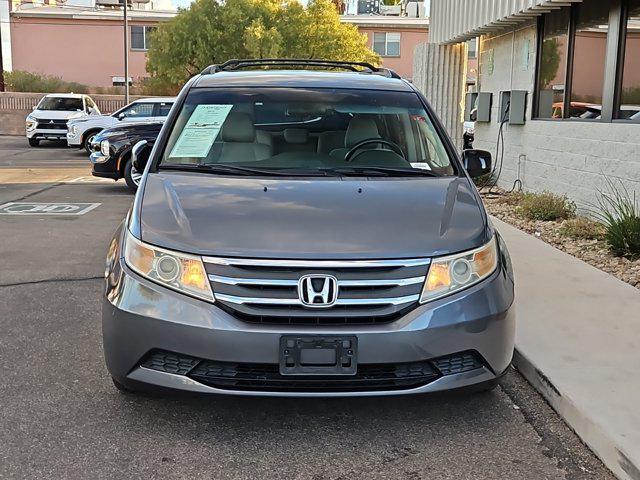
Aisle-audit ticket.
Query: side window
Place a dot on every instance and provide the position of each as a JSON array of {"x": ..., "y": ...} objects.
[
  {"x": 91, "y": 103},
  {"x": 162, "y": 109},
  {"x": 139, "y": 110}
]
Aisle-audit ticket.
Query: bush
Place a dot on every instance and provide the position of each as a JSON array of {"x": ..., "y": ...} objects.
[
  {"x": 546, "y": 206},
  {"x": 618, "y": 210},
  {"x": 19, "y": 81},
  {"x": 582, "y": 228}
]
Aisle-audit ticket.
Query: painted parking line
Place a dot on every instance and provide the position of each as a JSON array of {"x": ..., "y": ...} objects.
[
  {"x": 90, "y": 180},
  {"x": 38, "y": 208}
]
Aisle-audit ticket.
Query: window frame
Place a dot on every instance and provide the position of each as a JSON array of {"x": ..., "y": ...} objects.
[
  {"x": 386, "y": 43},
  {"x": 613, "y": 61},
  {"x": 145, "y": 32}
]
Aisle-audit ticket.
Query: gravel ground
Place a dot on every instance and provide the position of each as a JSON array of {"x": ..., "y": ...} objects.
[{"x": 593, "y": 252}]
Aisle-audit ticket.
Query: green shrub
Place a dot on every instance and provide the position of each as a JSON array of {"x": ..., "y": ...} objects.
[
  {"x": 619, "y": 212},
  {"x": 485, "y": 180},
  {"x": 19, "y": 81},
  {"x": 546, "y": 206},
  {"x": 582, "y": 228}
]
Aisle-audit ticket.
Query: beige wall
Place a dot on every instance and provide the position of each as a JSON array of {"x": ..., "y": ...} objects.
[
  {"x": 409, "y": 39},
  {"x": 86, "y": 52}
]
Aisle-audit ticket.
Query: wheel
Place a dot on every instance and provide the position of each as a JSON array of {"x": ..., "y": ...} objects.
[
  {"x": 87, "y": 141},
  {"x": 34, "y": 142},
  {"x": 131, "y": 176},
  {"x": 122, "y": 388}
]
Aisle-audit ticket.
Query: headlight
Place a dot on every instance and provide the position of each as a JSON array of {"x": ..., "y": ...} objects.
[
  {"x": 104, "y": 148},
  {"x": 179, "y": 271},
  {"x": 450, "y": 274},
  {"x": 31, "y": 123}
]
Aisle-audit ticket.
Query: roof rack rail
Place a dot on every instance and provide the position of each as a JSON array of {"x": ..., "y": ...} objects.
[{"x": 358, "y": 67}]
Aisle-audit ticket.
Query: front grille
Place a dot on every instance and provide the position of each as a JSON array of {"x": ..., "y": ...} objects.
[
  {"x": 266, "y": 291},
  {"x": 266, "y": 376},
  {"x": 48, "y": 125}
]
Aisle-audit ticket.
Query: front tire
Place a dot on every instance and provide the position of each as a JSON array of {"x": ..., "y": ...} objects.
[
  {"x": 87, "y": 141},
  {"x": 131, "y": 176},
  {"x": 34, "y": 142}
]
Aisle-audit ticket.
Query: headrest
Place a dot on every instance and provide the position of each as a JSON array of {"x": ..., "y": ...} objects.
[
  {"x": 296, "y": 135},
  {"x": 359, "y": 129},
  {"x": 238, "y": 127}
]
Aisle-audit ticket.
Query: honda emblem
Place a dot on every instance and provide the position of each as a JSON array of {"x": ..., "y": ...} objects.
[{"x": 318, "y": 291}]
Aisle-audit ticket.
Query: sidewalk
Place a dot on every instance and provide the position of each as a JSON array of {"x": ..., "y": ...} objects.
[{"x": 578, "y": 343}]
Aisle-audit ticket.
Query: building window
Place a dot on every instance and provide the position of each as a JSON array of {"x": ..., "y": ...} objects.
[
  {"x": 140, "y": 38},
  {"x": 589, "y": 56},
  {"x": 386, "y": 44},
  {"x": 552, "y": 64},
  {"x": 584, "y": 72},
  {"x": 629, "y": 105},
  {"x": 472, "y": 51}
]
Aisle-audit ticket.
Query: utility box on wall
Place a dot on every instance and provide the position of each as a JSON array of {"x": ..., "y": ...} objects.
[
  {"x": 513, "y": 107},
  {"x": 484, "y": 104}
]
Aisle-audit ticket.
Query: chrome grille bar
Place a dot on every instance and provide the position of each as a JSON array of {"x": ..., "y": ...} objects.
[
  {"x": 398, "y": 282},
  {"x": 260, "y": 262},
  {"x": 294, "y": 301}
]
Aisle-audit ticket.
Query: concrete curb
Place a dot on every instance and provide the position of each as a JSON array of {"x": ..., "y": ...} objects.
[{"x": 604, "y": 447}]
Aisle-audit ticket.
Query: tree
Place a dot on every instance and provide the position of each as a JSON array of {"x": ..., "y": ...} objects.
[
  {"x": 212, "y": 31},
  {"x": 549, "y": 62}
]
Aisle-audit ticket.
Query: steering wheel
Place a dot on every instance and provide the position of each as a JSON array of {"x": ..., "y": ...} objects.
[{"x": 394, "y": 147}]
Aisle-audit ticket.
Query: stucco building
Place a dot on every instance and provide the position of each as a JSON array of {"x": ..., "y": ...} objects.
[
  {"x": 89, "y": 41},
  {"x": 577, "y": 66}
]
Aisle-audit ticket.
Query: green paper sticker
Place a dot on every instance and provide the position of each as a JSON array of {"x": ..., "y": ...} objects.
[{"x": 201, "y": 131}]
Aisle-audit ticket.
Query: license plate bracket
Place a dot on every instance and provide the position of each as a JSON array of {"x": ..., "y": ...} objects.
[{"x": 318, "y": 355}]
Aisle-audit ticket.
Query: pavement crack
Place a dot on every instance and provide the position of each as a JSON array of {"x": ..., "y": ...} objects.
[{"x": 52, "y": 280}]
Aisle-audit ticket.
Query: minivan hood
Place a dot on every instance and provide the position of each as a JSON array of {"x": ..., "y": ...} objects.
[{"x": 319, "y": 218}]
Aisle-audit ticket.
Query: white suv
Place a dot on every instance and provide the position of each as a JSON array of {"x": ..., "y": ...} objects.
[
  {"x": 83, "y": 130},
  {"x": 49, "y": 118}
]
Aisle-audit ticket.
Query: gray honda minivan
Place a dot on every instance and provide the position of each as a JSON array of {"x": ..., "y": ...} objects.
[{"x": 306, "y": 228}]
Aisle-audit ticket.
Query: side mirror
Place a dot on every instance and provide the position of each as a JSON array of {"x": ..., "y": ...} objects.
[
  {"x": 477, "y": 163},
  {"x": 121, "y": 116},
  {"x": 140, "y": 155}
]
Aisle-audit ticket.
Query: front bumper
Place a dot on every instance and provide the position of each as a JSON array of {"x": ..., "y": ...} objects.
[
  {"x": 47, "y": 134},
  {"x": 141, "y": 317}
]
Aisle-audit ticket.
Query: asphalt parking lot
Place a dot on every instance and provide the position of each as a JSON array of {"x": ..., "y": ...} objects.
[{"x": 60, "y": 416}]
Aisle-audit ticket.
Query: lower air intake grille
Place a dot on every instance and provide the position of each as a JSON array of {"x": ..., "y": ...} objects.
[
  {"x": 266, "y": 377},
  {"x": 169, "y": 362},
  {"x": 458, "y": 363}
]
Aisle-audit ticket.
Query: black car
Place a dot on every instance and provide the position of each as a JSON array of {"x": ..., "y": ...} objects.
[{"x": 111, "y": 151}]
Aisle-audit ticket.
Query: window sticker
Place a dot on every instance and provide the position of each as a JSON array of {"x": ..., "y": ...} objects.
[{"x": 200, "y": 132}]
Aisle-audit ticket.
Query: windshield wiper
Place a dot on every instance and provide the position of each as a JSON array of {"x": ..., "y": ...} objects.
[
  {"x": 238, "y": 170},
  {"x": 381, "y": 172}
]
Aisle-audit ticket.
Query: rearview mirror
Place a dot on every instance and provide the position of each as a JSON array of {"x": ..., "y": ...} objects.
[
  {"x": 477, "y": 163},
  {"x": 140, "y": 155}
]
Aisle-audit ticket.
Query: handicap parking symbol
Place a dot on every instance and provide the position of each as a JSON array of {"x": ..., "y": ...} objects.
[{"x": 38, "y": 208}]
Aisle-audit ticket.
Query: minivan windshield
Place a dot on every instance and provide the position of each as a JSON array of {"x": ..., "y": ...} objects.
[
  {"x": 256, "y": 131},
  {"x": 60, "y": 103}
]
